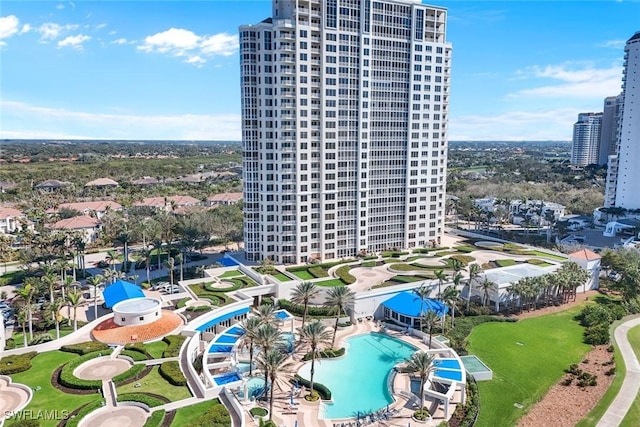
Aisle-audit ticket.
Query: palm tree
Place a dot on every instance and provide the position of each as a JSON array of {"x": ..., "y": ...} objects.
[
  {"x": 266, "y": 314},
  {"x": 273, "y": 362},
  {"x": 171, "y": 263},
  {"x": 450, "y": 297},
  {"x": 74, "y": 299},
  {"x": 55, "y": 307},
  {"x": 442, "y": 277},
  {"x": 302, "y": 294},
  {"x": 180, "y": 261},
  {"x": 49, "y": 278},
  {"x": 111, "y": 258},
  {"x": 430, "y": 320},
  {"x": 268, "y": 337},
  {"x": 95, "y": 282},
  {"x": 485, "y": 286},
  {"x": 157, "y": 245},
  {"x": 23, "y": 317},
  {"x": 250, "y": 326},
  {"x": 146, "y": 256},
  {"x": 26, "y": 293},
  {"x": 316, "y": 335},
  {"x": 421, "y": 364},
  {"x": 125, "y": 237},
  {"x": 421, "y": 293},
  {"x": 338, "y": 299},
  {"x": 474, "y": 272}
]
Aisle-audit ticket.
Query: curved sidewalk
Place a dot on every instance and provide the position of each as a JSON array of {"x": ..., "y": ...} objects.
[{"x": 631, "y": 383}]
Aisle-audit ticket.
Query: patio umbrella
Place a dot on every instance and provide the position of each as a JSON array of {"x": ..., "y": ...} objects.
[{"x": 295, "y": 423}]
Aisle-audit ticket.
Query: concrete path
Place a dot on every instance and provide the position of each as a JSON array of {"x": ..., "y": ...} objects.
[
  {"x": 181, "y": 403},
  {"x": 631, "y": 384}
]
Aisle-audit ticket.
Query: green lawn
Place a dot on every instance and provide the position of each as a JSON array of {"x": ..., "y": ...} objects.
[
  {"x": 154, "y": 383},
  {"x": 505, "y": 262},
  {"x": 187, "y": 415},
  {"x": 156, "y": 348},
  {"x": 331, "y": 283},
  {"x": 64, "y": 331},
  {"x": 282, "y": 277},
  {"x": 527, "y": 358},
  {"x": 632, "y": 417},
  {"x": 547, "y": 255},
  {"x": 232, "y": 273},
  {"x": 47, "y": 397},
  {"x": 304, "y": 275}
]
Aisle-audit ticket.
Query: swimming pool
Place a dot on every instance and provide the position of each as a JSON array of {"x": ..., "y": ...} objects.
[
  {"x": 255, "y": 388},
  {"x": 358, "y": 381}
]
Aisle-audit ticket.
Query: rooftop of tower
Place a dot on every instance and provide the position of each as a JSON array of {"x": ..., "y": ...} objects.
[{"x": 636, "y": 36}]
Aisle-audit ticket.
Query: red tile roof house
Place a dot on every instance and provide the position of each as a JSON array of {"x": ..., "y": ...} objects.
[
  {"x": 167, "y": 203},
  {"x": 98, "y": 207},
  {"x": 11, "y": 220},
  {"x": 590, "y": 261},
  {"x": 88, "y": 226},
  {"x": 224, "y": 199},
  {"x": 101, "y": 183}
]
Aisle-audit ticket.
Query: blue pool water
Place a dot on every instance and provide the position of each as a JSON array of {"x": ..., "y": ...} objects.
[
  {"x": 358, "y": 381},
  {"x": 244, "y": 366},
  {"x": 447, "y": 363},
  {"x": 226, "y": 379},
  {"x": 228, "y": 262},
  {"x": 290, "y": 340},
  {"x": 255, "y": 388},
  {"x": 228, "y": 339}
]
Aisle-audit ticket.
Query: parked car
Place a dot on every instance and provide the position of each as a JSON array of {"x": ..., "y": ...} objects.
[
  {"x": 102, "y": 264},
  {"x": 160, "y": 285}
]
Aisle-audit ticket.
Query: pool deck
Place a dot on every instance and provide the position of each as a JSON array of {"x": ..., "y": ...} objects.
[{"x": 307, "y": 413}]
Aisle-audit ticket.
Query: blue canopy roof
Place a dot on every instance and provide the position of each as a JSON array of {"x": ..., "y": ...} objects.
[
  {"x": 408, "y": 304},
  {"x": 121, "y": 290},
  {"x": 222, "y": 318}
]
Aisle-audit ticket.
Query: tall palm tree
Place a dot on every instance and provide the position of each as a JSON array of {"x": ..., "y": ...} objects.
[
  {"x": 316, "y": 336},
  {"x": 55, "y": 307},
  {"x": 430, "y": 320},
  {"x": 450, "y": 296},
  {"x": 171, "y": 264},
  {"x": 125, "y": 237},
  {"x": 157, "y": 246},
  {"x": 111, "y": 258},
  {"x": 95, "y": 282},
  {"x": 442, "y": 277},
  {"x": 146, "y": 256},
  {"x": 273, "y": 362},
  {"x": 23, "y": 319},
  {"x": 180, "y": 261},
  {"x": 421, "y": 293},
  {"x": 266, "y": 313},
  {"x": 485, "y": 286},
  {"x": 302, "y": 294},
  {"x": 248, "y": 340},
  {"x": 26, "y": 293},
  {"x": 268, "y": 337},
  {"x": 421, "y": 364},
  {"x": 338, "y": 299},
  {"x": 474, "y": 272},
  {"x": 74, "y": 299}
]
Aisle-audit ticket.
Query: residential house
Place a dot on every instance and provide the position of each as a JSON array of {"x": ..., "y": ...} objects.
[
  {"x": 224, "y": 199},
  {"x": 96, "y": 208},
  {"x": 167, "y": 203},
  {"x": 146, "y": 181},
  {"x": 88, "y": 226},
  {"x": 12, "y": 220},
  {"x": 590, "y": 261},
  {"x": 52, "y": 185},
  {"x": 101, "y": 183}
]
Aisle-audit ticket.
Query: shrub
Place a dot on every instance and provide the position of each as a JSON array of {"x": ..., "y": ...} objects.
[
  {"x": 258, "y": 412},
  {"x": 594, "y": 314},
  {"x": 136, "y": 355},
  {"x": 155, "y": 420},
  {"x": 132, "y": 372},
  {"x": 83, "y": 411},
  {"x": 597, "y": 335},
  {"x": 322, "y": 390},
  {"x": 318, "y": 272},
  {"x": 175, "y": 342},
  {"x": 327, "y": 354},
  {"x": 421, "y": 414},
  {"x": 343, "y": 273},
  {"x": 26, "y": 423},
  {"x": 42, "y": 338},
  {"x": 10, "y": 344},
  {"x": 150, "y": 401},
  {"x": 85, "y": 347},
  {"x": 16, "y": 363},
  {"x": 171, "y": 372},
  {"x": 198, "y": 308},
  {"x": 67, "y": 378},
  {"x": 464, "y": 259},
  {"x": 298, "y": 309},
  {"x": 216, "y": 416}
]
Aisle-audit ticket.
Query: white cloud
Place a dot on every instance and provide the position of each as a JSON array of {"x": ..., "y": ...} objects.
[
  {"x": 584, "y": 82},
  {"x": 74, "y": 41},
  {"x": 552, "y": 124},
  {"x": 121, "y": 40},
  {"x": 51, "y": 30},
  {"x": 613, "y": 44},
  {"x": 59, "y": 6},
  {"x": 8, "y": 26},
  {"x": 101, "y": 26},
  {"x": 196, "y": 49},
  {"x": 44, "y": 122},
  {"x": 25, "y": 28}
]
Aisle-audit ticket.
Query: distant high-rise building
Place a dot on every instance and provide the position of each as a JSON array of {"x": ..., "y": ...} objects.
[
  {"x": 623, "y": 174},
  {"x": 345, "y": 108},
  {"x": 586, "y": 139},
  {"x": 609, "y": 130}
]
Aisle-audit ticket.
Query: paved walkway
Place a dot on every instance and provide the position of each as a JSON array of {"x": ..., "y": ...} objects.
[{"x": 631, "y": 384}]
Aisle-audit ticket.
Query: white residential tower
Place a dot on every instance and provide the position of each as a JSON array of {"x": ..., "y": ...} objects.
[{"x": 344, "y": 121}]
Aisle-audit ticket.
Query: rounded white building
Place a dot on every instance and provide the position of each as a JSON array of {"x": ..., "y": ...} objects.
[{"x": 137, "y": 311}]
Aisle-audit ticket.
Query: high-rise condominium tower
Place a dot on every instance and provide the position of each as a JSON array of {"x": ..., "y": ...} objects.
[
  {"x": 586, "y": 139},
  {"x": 344, "y": 121},
  {"x": 609, "y": 130},
  {"x": 623, "y": 174}
]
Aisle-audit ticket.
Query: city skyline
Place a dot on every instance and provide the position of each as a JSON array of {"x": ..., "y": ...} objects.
[{"x": 169, "y": 70}]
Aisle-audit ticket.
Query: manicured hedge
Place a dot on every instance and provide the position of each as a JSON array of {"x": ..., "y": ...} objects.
[
  {"x": 156, "y": 419},
  {"x": 26, "y": 423},
  {"x": 84, "y": 410},
  {"x": 343, "y": 273},
  {"x": 175, "y": 342},
  {"x": 317, "y": 271},
  {"x": 132, "y": 372},
  {"x": 326, "y": 354},
  {"x": 148, "y": 400},
  {"x": 85, "y": 347},
  {"x": 67, "y": 378},
  {"x": 216, "y": 416},
  {"x": 198, "y": 308},
  {"x": 136, "y": 355},
  {"x": 323, "y": 391},
  {"x": 171, "y": 372},
  {"x": 16, "y": 363},
  {"x": 298, "y": 309},
  {"x": 464, "y": 259}
]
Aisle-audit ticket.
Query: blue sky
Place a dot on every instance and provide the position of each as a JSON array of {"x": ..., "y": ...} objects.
[{"x": 521, "y": 70}]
